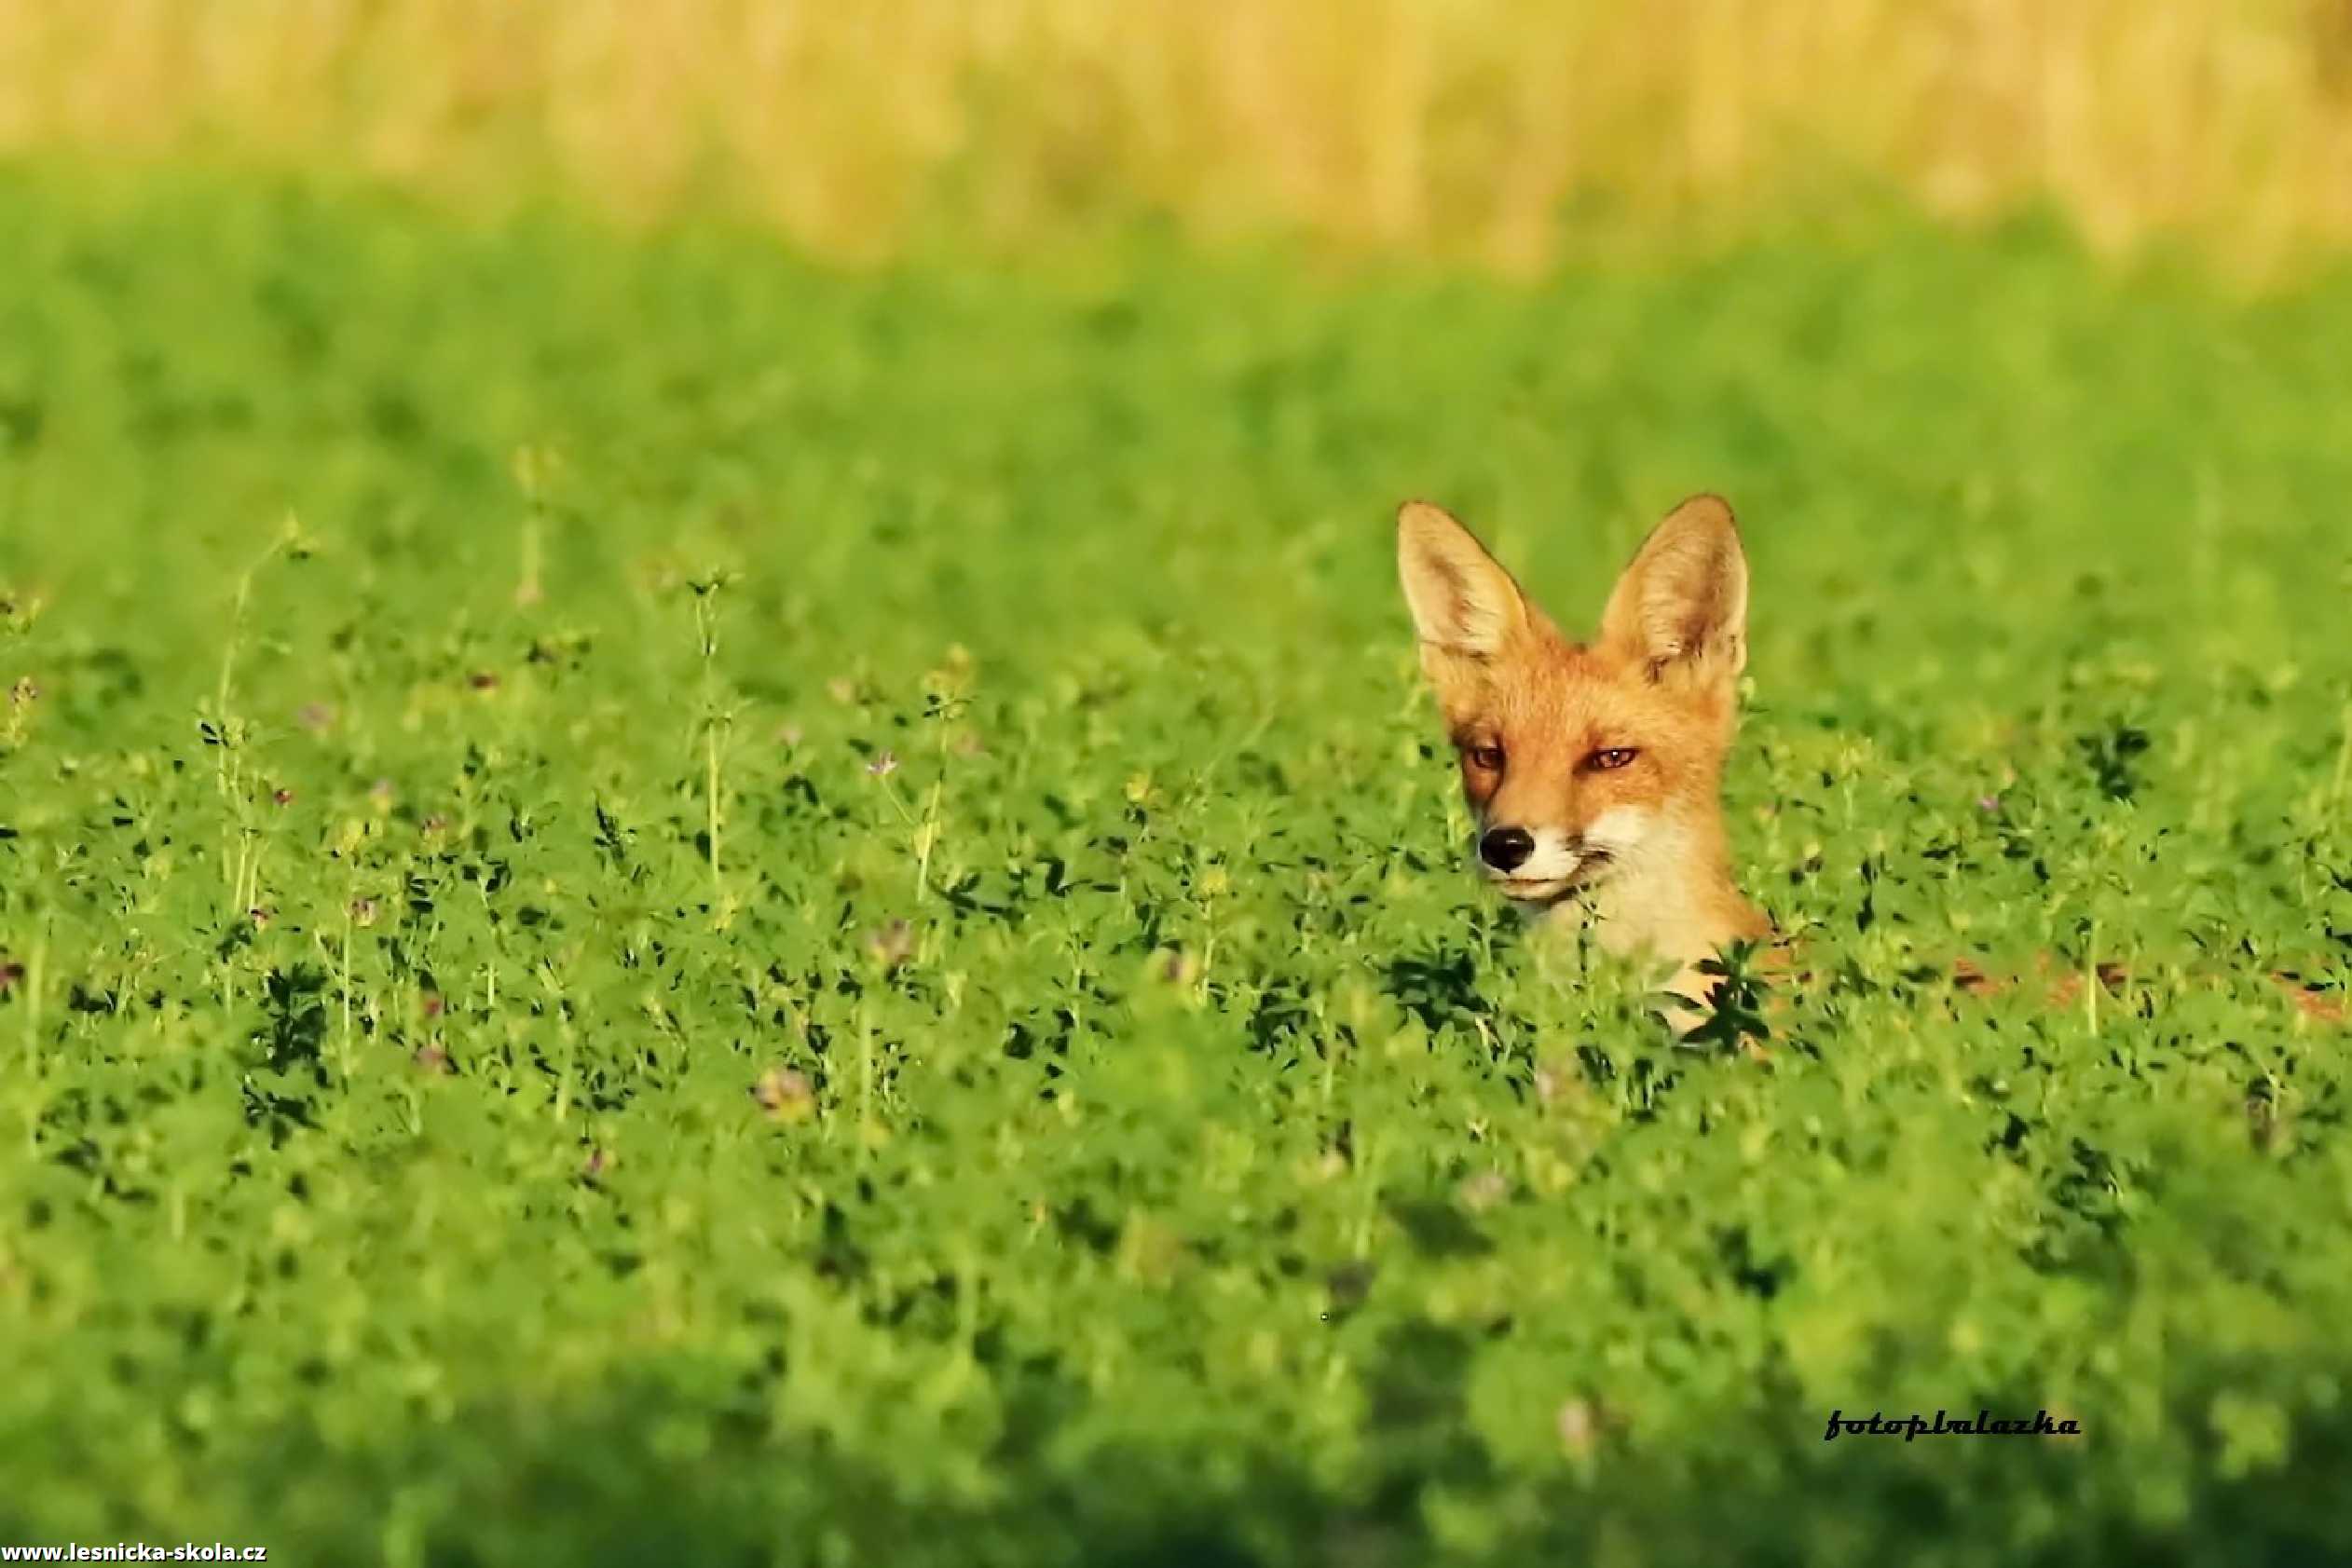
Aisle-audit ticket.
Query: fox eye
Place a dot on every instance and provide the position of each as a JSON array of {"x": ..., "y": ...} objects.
[
  {"x": 1611, "y": 757},
  {"x": 1486, "y": 758}
]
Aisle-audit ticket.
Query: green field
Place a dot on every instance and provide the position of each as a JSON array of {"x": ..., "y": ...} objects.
[{"x": 660, "y": 905}]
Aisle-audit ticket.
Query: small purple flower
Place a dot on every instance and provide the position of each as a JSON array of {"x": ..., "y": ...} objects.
[
  {"x": 282, "y": 796},
  {"x": 433, "y": 1059},
  {"x": 1485, "y": 1190},
  {"x": 10, "y": 973},
  {"x": 1988, "y": 804},
  {"x": 892, "y": 944},
  {"x": 786, "y": 1093},
  {"x": 884, "y": 764}
]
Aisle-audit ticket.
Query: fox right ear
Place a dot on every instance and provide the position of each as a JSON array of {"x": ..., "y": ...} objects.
[
  {"x": 1682, "y": 604},
  {"x": 1464, "y": 604}
]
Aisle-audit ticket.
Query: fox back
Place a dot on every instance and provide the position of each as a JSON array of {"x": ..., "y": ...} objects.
[{"x": 1594, "y": 768}]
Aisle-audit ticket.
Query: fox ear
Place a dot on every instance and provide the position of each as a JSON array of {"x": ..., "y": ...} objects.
[
  {"x": 1682, "y": 603},
  {"x": 1464, "y": 605}
]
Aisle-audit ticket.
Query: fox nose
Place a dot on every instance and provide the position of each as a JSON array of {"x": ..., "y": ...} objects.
[{"x": 1506, "y": 847}]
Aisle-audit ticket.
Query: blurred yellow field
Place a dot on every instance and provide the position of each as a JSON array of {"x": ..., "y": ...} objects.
[{"x": 1460, "y": 128}]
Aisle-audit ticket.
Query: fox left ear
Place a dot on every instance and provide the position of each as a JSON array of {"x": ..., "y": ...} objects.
[
  {"x": 1683, "y": 602},
  {"x": 1467, "y": 611},
  {"x": 1463, "y": 602}
]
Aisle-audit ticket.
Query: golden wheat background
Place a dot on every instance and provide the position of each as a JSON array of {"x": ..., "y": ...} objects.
[{"x": 1458, "y": 126}]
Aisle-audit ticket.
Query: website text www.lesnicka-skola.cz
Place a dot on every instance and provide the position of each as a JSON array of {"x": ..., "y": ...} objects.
[{"x": 136, "y": 1551}]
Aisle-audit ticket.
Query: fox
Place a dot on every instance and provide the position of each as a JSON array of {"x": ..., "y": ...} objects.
[{"x": 1593, "y": 769}]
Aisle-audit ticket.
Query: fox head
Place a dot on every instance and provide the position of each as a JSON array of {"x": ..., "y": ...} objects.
[{"x": 1593, "y": 763}]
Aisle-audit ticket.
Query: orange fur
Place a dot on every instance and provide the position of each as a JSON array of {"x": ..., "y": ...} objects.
[
  {"x": 2063, "y": 987},
  {"x": 1608, "y": 755}
]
